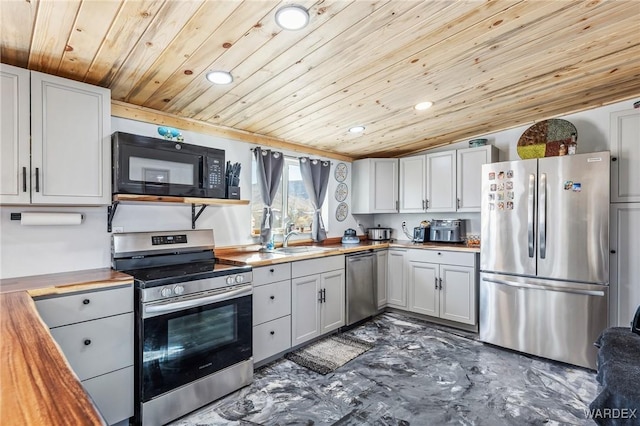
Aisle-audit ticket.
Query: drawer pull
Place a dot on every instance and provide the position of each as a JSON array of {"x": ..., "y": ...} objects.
[
  {"x": 272, "y": 297},
  {"x": 86, "y": 301},
  {"x": 272, "y": 270},
  {"x": 272, "y": 332},
  {"x": 87, "y": 342}
]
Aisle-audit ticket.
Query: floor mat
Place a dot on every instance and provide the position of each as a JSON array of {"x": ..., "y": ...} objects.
[{"x": 325, "y": 355}]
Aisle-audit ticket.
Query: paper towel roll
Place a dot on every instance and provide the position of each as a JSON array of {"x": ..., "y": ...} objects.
[{"x": 41, "y": 218}]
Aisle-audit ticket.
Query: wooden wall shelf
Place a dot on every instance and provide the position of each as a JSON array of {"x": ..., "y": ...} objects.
[
  {"x": 137, "y": 198},
  {"x": 182, "y": 200}
]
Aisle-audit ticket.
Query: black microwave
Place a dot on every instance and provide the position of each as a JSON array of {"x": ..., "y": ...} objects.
[{"x": 153, "y": 166}]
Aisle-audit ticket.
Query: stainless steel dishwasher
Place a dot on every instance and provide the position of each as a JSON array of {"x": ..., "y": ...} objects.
[{"x": 362, "y": 300}]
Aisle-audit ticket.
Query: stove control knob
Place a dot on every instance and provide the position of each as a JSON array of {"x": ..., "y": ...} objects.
[
  {"x": 178, "y": 290},
  {"x": 165, "y": 292},
  {"x": 239, "y": 278},
  {"x": 230, "y": 280}
]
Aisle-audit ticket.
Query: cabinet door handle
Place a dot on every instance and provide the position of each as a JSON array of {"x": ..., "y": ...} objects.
[
  {"x": 424, "y": 205},
  {"x": 397, "y": 205},
  {"x": 87, "y": 342},
  {"x": 272, "y": 297},
  {"x": 320, "y": 296},
  {"x": 37, "y": 179},
  {"x": 324, "y": 295},
  {"x": 436, "y": 280},
  {"x": 427, "y": 204},
  {"x": 440, "y": 280},
  {"x": 24, "y": 179},
  {"x": 458, "y": 203},
  {"x": 86, "y": 301}
]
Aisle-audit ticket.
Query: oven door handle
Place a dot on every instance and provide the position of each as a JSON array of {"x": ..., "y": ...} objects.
[{"x": 200, "y": 301}]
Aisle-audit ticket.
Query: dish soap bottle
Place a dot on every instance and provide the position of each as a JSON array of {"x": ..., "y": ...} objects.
[{"x": 270, "y": 243}]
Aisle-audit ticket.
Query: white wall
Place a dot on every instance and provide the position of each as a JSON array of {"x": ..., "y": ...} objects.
[
  {"x": 34, "y": 250},
  {"x": 593, "y": 135},
  {"x": 37, "y": 250}
]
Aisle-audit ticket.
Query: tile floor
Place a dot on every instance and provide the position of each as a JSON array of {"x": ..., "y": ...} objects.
[{"x": 417, "y": 374}]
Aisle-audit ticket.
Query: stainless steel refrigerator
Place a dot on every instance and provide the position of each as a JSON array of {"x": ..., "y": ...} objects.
[{"x": 544, "y": 258}]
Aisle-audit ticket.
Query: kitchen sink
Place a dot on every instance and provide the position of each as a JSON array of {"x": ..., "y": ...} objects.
[{"x": 301, "y": 250}]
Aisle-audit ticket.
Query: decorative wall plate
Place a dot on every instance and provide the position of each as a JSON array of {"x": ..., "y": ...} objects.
[
  {"x": 342, "y": 191},
  {"x": 342, "y": 211},
  {"x": 544, "y": 139},
  {"x": 341, "y": 172}
]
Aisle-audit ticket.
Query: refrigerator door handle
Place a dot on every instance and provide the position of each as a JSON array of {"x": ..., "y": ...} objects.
[
  {"x": 543, "y": 287},
  {"x": 531, "y": 214},
  {"x": 543, "y": 216}
]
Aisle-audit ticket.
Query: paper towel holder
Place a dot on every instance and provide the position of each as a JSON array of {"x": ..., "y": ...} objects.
[{"x": 53, "y": 220}]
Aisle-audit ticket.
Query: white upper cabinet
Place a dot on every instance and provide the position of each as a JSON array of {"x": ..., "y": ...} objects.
[
  {"x": 441, "y": 182},
  {"x": 14, "y": 133},
  {"x": 375, "y": 185},
  {"x": 412, "y": 184},
  {"x": 625, "y": 156},
  {"x": 70, "y": 140},
  {"x": 70, "y": 130},
  {"x": 469, "y": 176},
  {"x": 446, "y": 181}
]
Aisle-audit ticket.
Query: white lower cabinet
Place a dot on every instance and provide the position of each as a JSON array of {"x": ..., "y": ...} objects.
[
  {"x": 396, "y": 282},
  {"x": 318, "y": 297},
  {"x": 382, "y": 257},
  {"x": 332, "y": 308},
  {"x": 271, "y": 338},
  {"x": 443, "y": 284},
  {"x": 115, "y": 406},
  {"x": 95, "y": 332},
  {"x": 436, "y": 283},
  {"x": 423, "y": 288},
  {"x": 85, "y": 345},
  {"x": 271, "y": 311}
]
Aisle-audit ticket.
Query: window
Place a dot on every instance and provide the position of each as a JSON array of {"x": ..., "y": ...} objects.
[{"x": 291, "y": 203}]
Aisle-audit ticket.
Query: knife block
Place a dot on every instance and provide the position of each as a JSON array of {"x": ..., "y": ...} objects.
[{"x": 233, "y": 192}]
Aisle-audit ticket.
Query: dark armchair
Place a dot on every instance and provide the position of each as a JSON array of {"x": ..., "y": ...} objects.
[{"x": 619, "y": 376}]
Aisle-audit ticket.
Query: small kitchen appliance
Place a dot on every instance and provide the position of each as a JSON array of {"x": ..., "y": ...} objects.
[
  {"x": 350, "y": 237},
  {"x": 379, "y": 234},
  {"x": 447, "y": 230},
  {"x": 152, "y": 166},
  {"x": 420, "y": 234},
  {"x": 193, "y": 322}
]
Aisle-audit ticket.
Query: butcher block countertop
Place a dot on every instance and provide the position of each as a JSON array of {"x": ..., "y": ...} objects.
[
  {"x": 38, "y": 385},
  {"x": 255, "y": 258}
]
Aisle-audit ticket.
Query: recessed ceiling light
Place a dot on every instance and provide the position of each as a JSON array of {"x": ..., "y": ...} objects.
[
  {"x": 356, "y": 129},
  {"x": 423, "y": 105},
  {"x": 219, "y": 77},
  {"x": 292, "y": 17}
]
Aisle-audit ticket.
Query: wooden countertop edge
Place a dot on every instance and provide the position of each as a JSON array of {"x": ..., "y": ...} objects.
[
  {"x": 255, "y": 258},
  {"x": 66, "y": 282},
  {"x": 38, "y": 385}
]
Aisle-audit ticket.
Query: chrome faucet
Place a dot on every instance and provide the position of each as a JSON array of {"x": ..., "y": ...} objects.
[{"x": 289, "y": 231}]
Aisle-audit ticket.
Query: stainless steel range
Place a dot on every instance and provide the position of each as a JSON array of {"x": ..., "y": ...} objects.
[{"x": 193, "y": 321}]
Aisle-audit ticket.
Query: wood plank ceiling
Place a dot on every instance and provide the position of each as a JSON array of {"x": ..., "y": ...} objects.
[{"x": 486, "y": 65}]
